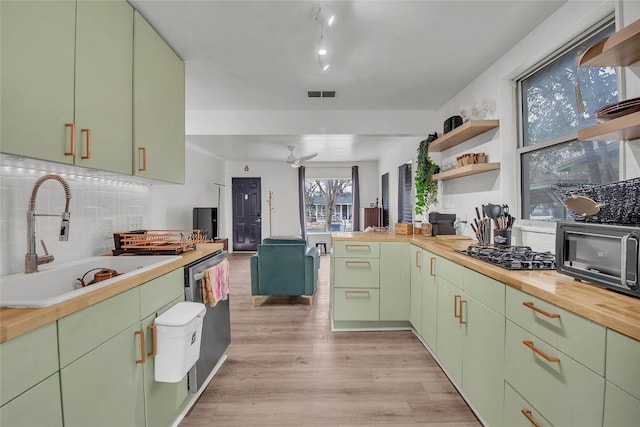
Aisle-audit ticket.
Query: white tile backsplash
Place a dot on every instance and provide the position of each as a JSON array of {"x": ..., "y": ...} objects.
[{"x": 93, "y": 199}]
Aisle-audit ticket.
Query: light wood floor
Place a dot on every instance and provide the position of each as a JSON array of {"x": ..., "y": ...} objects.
[{"x": 286, "y": 368}]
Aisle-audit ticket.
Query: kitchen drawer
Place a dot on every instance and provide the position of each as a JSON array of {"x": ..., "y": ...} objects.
[
  {"x": 485, "y": 290},
  {"x": 356, "y": 304},
  {"x": 26, "y": 360},
  {"x": 451, "y": 271},
  {"x": 356, "y": 249},
  {"x": 566, "y": 332},
  {"x": 565, "y": 392},
  {"x": 623, "y": 362},
  {"x": 160, "y": 291},
  {"x": 516, "y": 410},
  {"x": 85, "y": 330},
  {"x": 360, "y": 273},
  {"x": 620, "y": 408},
  {"x": 39, "y": 406}
]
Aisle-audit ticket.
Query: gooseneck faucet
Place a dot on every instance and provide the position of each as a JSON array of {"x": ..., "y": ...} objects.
[{"x": 32, "y": 260}]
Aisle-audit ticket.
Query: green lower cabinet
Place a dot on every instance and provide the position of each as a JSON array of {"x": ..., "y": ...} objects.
[
  {"x": 519, "y": 413},
  {"x": 429, "y": 306},
  {"x": 395, "y": 289},
  {"x": 415, "y": 304},
  {"x": 449, "y": 329},
  {"x": 105, "y": 386},
  {"x": 38, "y": 406},
  {"x": 620, "y": 408},
  {"x": 356, "y": 304},
  {"x": 483, "y": 359},
  {"x": 163, "y": 401}
]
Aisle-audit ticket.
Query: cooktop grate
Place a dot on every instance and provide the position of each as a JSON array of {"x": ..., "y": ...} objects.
[{"x": 512, "y": 257}]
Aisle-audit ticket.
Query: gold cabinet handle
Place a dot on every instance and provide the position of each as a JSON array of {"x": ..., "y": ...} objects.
[
  {"x": 540, "y": 352},
  {"x": 347, "y": 293},
  {"x": 418, "y": 259},
  {"x": 462, "y": 322},
  {"x": 88, "y": 139},
  {"x": 359, "y": 248},
  {"x": 72, "y": 151},
  {"x": 142, "y": 151},
  {"x": 456, "y": 305},
  {"x": 528, "y": 416},
  {"x": 154, "y": 341},
  {"x": 357, "y": 263},
  {"x": 432, "y": 262},
  {"x": 541, "y": 311},
  {"x": 142, "y": 355}
]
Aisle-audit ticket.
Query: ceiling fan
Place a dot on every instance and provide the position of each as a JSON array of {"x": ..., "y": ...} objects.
[{"x": 295, "y": 161}]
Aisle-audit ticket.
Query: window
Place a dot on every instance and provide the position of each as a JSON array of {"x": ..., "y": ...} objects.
[
  {"x": 557, "y": 99},
  {"x": 328, "y": 205}
]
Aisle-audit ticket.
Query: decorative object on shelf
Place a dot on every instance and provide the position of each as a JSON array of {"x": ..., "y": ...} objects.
[
  {"x": 426, "y": 186},
  {"x": 617, "y": 201},
  {"x": 470, "y": 159},
  {"x": 404, "y": 228},
  {"x": 618, "y": 109},
  {"x": 451, "y": 123}
]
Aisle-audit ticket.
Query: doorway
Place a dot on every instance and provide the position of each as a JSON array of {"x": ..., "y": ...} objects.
[
  {"x": 247, "y": 220},
  {"x": 385, "y": 200}
]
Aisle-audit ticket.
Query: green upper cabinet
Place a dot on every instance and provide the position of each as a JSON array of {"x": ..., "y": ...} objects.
[
  {"x": 37, "y": 56},
  {"x": 104, "y": 79},
  {"x": 67, "y": 82},
  {"x": 158, "y": 106}
]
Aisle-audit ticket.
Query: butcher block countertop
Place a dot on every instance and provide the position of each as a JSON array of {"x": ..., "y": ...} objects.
[
  {"x": 17, "y": 321},
  {"x": 613, "y": 310}
]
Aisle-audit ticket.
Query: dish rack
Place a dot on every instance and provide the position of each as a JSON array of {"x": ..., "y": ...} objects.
[
  {"x": 618, "y": 201},
  {"x": 157, "y": 242}
]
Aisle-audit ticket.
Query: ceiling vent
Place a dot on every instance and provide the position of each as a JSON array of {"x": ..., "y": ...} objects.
[{"x": 321, "y": 93}]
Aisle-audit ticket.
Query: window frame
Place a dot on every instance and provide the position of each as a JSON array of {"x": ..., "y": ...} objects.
[{"x": 521, "y": 149}]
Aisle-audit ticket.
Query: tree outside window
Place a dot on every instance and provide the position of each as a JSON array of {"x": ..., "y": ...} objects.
[{"x": 328, "y": 205}]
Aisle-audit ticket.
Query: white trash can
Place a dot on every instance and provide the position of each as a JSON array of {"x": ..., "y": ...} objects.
[{"x": 178, "y": 331}]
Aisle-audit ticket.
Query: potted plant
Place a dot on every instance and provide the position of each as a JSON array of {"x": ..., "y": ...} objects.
[{"x": 426, "y": 186}]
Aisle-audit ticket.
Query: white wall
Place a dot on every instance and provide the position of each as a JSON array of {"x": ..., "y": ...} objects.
[{"x": 172, "y": 204}]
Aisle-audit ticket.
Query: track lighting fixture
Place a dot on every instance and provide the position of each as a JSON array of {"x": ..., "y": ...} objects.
[{"x": 324, "y": 17}]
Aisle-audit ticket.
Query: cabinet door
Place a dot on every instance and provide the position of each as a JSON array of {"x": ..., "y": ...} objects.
[
  {"x": 449, "y": 329},
  {"x": 163, "y": 401},
  {"x": 429, "y": 330},
  {"x": 104, "y": 79},
  {"x": 105, "y": 386},
  {"x": 37, "y": 85},
  {"x": 519, "y": 413},
  {"x": 395, "y": 290},
  {"x": 483, "y": 359},
  {"x": 158, "y": 105},
  {"x": 415, "y": 306},
  {"x": 39, "y": 406},
  {"x": 620, "y": 408}
]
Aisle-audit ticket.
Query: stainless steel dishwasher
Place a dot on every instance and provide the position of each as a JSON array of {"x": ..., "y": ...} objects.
[{"x": 216, "y": 327}]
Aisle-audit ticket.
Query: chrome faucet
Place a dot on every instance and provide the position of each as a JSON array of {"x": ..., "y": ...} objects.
[{"x": 32, "y": 260}]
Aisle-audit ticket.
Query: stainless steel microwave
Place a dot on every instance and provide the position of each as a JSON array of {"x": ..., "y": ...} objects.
[{"x": 601, "y": 254}]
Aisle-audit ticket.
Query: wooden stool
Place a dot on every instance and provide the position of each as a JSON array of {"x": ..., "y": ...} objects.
[{"x": 324, "y": 246}]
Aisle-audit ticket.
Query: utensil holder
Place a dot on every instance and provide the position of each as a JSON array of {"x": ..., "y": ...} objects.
[{"x": 501, "y": 237}]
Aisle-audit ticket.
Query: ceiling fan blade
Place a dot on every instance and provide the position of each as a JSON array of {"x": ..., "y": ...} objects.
[{"x": 305, "y": 158}]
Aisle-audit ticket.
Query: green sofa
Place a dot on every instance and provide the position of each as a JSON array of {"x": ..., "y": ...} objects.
[{"x": 284, "y": 266}]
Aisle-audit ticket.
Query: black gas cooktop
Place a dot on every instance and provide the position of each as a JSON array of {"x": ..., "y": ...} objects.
[{"x": 512, "y": 257}]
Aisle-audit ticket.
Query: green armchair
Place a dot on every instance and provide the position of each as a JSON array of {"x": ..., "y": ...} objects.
[{"x": 284, "y": 266}]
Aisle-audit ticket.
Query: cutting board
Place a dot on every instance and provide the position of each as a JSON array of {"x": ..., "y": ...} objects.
[{"x": 453, "y": 237}]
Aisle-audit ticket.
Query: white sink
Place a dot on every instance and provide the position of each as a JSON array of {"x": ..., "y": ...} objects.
[{"x": 55, "y": 283}]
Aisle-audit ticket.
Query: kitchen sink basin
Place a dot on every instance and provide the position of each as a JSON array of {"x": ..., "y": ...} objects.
[{"x": 55, "y": 283}]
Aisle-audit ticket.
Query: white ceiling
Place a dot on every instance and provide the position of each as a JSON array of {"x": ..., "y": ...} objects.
[{"x": 384, "y": 55}]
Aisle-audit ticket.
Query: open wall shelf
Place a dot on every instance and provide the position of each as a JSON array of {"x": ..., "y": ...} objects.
[
  {"x": 466, "y": 170},
  {"x": 620, "y": 49},
  {"x": 463, "y": 133},
  {"x": 623, "y": 128}
]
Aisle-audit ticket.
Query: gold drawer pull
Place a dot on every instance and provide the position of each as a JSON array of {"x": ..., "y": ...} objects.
[
  {"x": 142, "y": 151},
  {"x": 154, "y": 341},
  {"x": 527, "y": 415},
  {"x": 462, "y": 322},
  {"x": 540, "y": 352},
  {"x": 88, "y": 132},
  {"x": 541, "y": 311},
  {"x": 347, "y": 293},
  {"x": 72, "y": 151},
  {"x": 142, "y": 355},
  {"x": 418, "y": 259},
  {"x": 358, "y": 263},
  {"x": 433, "y": 266},
  {"x": 456, "y": 304},
  {"x": 359, "y": 247}
]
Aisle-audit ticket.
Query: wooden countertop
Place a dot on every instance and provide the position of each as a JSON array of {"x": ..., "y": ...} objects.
[
  {"x": 611, "y": 309},
  {"x": 17, "y": 321}
]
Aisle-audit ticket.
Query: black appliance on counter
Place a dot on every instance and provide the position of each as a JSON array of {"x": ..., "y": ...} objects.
[
  {"x": 512, "y": 257},
  {"x": 600, "y": 254},
  {"x": 206, "y": 220},
  {"x": 442, "y": 223}
]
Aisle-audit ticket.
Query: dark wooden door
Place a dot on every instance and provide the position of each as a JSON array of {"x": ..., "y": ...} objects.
[{"x": 247, "y": 220}]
